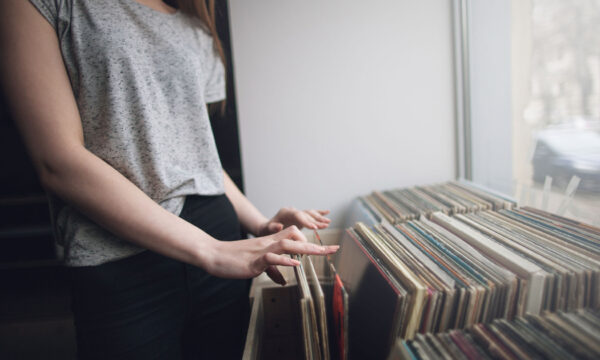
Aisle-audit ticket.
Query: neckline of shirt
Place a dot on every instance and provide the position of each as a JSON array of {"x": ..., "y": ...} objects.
[{"x": 150, "y": 10}]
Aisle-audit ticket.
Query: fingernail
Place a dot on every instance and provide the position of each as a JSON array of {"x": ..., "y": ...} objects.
[
  {"x": 294, "y": 262},
  {"x": 329, "y": 248}
]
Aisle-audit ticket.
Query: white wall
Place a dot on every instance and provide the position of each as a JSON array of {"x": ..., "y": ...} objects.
[{"x": 337, "y": 98}]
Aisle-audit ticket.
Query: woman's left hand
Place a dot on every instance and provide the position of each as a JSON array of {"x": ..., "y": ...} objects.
[{"x": 312, "y": 219}]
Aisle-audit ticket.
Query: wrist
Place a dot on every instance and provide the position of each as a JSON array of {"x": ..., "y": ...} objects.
[{"x": 205, "y": 253}]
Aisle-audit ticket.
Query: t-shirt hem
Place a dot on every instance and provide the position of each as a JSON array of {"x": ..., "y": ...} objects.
[
  {"x": 214, "y": 97},
  {"x": 103, "y": 260}
]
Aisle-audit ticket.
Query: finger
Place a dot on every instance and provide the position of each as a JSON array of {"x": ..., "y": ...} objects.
[
  {"x": 292, "y": 232},
  {"x": 317, "y": 224},
  {"x": 321, "y": 225},
  {"x": 275, "y": 275},
  {"x": 323, "y": 212},
  {"x": 288, "y": 246},
  {"x": 277, "y": 259},
  {"x": 312, "y": 226},
  {"x": 304, "y": 219},
  {"x": 315, "y": 214}
]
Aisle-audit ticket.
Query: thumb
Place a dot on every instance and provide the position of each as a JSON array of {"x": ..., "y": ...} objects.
[
  {"x": 275, "y": 275},
  {"x": 275, "y": 227}
]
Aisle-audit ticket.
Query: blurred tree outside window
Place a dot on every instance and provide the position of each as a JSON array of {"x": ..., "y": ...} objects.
[{"x": 555, "y": 65}]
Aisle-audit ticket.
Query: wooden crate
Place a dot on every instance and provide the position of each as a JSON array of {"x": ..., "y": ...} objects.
[{"x": 274, "y": 331}]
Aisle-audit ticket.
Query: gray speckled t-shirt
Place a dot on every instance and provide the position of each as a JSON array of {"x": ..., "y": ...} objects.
[{"x": 141, "y": 79}]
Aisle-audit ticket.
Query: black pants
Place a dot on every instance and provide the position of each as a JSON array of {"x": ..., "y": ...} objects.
[{"x": 149, "y": 306}]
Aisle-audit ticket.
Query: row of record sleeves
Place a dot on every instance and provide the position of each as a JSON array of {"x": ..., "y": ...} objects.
[
  {"x": 560, "y": 336},
  {"x": 454, "y": 197},
  {"x": 465, "y": 256}
]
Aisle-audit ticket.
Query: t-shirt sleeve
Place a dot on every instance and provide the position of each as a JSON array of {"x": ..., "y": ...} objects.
[
  {"x": 57, "y": 12},
  {"x": 214, "y": 89}
]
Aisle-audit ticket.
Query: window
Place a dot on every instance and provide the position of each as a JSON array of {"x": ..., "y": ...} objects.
[{"x": 531, "y": 80}]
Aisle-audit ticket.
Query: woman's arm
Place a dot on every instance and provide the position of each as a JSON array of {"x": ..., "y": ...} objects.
[
  {"x": 250, "y": 218},
  {"x": 41, "y": 102},
  {"x": 257, "y": 224}
]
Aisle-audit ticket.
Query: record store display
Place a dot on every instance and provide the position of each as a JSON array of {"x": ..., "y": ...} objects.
[
  {"x": 559, "y": 336},
  {"x": 452, "y": 271}
]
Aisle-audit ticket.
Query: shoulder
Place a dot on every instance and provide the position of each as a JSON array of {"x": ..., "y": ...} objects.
[{"x": 199, "y": 31}]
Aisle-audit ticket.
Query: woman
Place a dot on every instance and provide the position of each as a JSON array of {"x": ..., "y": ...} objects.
[{"x": 110, "y": 97}]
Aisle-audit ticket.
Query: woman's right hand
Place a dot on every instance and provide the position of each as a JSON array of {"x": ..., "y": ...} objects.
[{"x": 249, "y": 258}]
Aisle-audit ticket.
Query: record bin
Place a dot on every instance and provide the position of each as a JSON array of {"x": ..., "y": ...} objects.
[{"x": 274, "y": 330}]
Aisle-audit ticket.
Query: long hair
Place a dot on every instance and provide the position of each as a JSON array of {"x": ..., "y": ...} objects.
[{"x": 205, "y": 11}]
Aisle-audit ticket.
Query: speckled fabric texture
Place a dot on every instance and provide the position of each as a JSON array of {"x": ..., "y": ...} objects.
[{"x": 141, "y": 79}]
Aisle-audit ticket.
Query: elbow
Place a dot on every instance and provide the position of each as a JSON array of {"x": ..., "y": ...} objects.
[
  {"x": 49, "y": 176},
  {"x": 56, "y": 170}
]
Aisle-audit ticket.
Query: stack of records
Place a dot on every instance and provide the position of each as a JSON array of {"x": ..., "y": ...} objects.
[
  {"x": 559, "y": 335},
  {"x": 451, "y": 272},
  {"x": 567, "y": 254},
  {"x": 313, "y": 315},
  {"x": 396, "y": 206}
]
